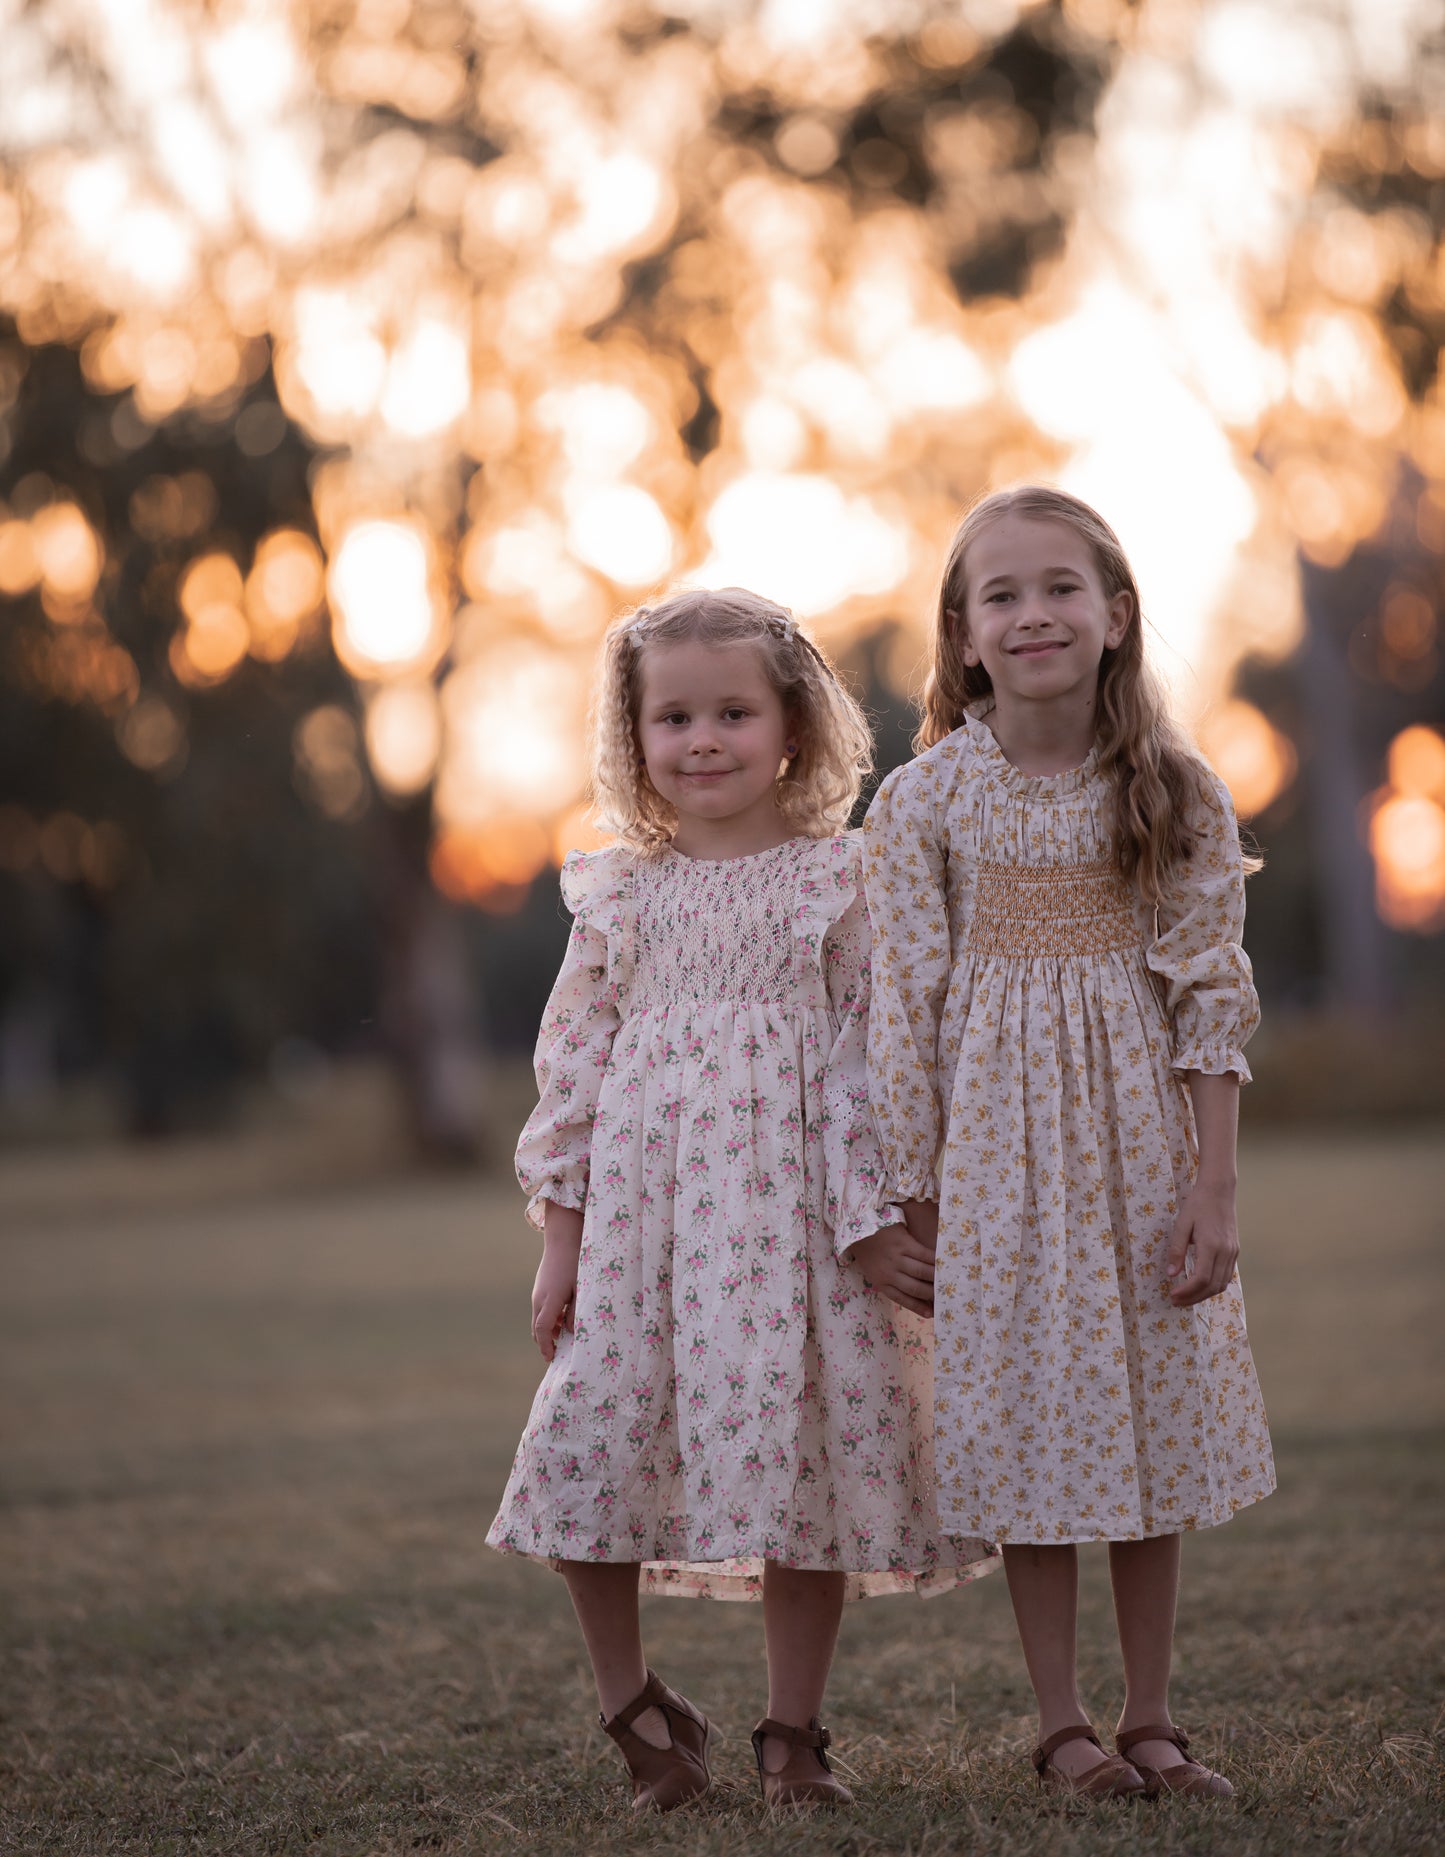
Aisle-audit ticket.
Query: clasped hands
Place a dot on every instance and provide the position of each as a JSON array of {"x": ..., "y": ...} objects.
[{"x": 897, "y": 1262}]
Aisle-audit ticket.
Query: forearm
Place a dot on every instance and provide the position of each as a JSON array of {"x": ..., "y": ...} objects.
[
  {"x": 561, "y": 1226},
  {"x": 1216, "y": 1120}
]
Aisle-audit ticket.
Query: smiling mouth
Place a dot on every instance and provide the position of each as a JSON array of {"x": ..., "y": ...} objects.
[{"x": 1036, "y": 651}]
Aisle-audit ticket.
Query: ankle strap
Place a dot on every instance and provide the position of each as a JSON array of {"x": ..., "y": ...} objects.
[
  {"x": 1081, "y": 1731},
  {"x": 653, "y": 1694},
  {"x": 814, "y": 1735},
  {"x": 1131, "y": 1737}
]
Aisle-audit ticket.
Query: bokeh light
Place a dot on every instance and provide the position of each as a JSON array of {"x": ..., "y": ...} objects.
[
  {"x": 1256, "y": 760},
  {"x": 403, "y": 736},
  {"x": 386, "y": 616}
]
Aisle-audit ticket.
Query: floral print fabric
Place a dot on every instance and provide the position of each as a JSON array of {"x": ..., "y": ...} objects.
[
  {"x": 1031, "y": 1019},
  {"x": 731, "y": 1391}
]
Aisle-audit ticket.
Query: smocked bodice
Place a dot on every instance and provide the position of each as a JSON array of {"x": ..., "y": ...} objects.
[{"x": 714, "y": 932}]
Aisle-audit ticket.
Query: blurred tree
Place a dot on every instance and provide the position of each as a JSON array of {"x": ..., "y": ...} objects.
[{"x": 197, "y": 830}]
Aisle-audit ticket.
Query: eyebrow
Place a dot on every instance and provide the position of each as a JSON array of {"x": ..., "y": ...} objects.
[
  {"x": 678, "y": 702},
  {"x": 995, "y": 580}
]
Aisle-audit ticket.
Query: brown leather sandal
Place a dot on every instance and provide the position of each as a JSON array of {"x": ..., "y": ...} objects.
[
  {"x": 663, "y": 1777},
  {"x": 1188, "y": 1779},
  {"x": 1112, "y": 1778},
  {"x": 798, "y": 1781}
]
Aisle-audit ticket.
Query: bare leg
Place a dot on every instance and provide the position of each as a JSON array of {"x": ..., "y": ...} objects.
[
  {"x": 604, "y": 1597},
  {"x": 801, "y": 1615},
  {"x": 1043, "y": 1583},
  {"x": 1145, "y": 1577}
]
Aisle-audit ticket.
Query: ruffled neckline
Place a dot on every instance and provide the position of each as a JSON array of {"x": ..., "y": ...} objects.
[{"x": 1043, "y": 786}]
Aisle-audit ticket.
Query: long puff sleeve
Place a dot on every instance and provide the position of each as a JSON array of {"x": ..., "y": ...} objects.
[
  {"x": 554, "y": 1153},
  {"x": 904, "y": 871},
  {"x": 1207, "y": 983},
  {"x": 855, "y": 1203}
]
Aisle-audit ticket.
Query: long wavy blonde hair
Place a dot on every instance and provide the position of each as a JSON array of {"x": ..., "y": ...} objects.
[
  {"x": 1158, "y": 777},
  {"x": 819, "y": 787}
]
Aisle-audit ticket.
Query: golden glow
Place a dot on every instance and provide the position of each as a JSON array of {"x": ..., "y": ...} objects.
[
  {"x": 602, "y": 427},
  {"x": 210, "y": 580},
  {"x": 403, "y": 736},
  {"x": 1407, "y": 839},
  {"x": 68, "y": 552},
  {"x": 799, "y": 536},
  {"x": 490, "y": 864},
  {"x": 620, "y": 530},
  {"x": 1417, "y": 763},
  {"x": 216, "y": 636},
  {"x": 385, "y": 618},
  {"x": 285, "y": 588},
  {"x": 514, "y": 720},
  {"x": 428, "y": 381},
  {"x": 797, "y": 397},
  {"x": 340, "y": 361},
  {"x": 1256, "y": 762}
]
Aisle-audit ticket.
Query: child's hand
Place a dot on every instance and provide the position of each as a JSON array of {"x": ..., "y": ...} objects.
[
  {"x": 921, "y": 1218},
  {"x": 899, "y": 1266},
  {"x": 555, "y": 1290},
  {"x": 1206, "y": 1223}
]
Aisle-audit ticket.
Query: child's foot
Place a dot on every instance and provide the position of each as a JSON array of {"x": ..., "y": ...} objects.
[
  {"x": 1072, "y": 1761},
  {"x": 1156, "y": 1749},
  {"x": 792, "y": 1767},
  {"x": 666, "y": 1772}
]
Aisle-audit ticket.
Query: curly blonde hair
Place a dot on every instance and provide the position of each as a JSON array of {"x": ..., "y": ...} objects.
[
  {"x": 1158, "y": 777},
  {"x": 818, "y": 789}
]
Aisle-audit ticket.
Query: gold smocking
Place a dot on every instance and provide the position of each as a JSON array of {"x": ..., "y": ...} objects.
[{"x": 1051, "y": 911}]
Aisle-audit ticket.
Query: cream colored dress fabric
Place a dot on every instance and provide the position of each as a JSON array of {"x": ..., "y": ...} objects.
[
  {"x": 732, "y": 1390},
  {"x": 1031, "y": 1019}
]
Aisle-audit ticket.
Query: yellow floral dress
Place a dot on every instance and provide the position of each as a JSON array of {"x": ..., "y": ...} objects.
[{"x": 1032, "y": 1017}]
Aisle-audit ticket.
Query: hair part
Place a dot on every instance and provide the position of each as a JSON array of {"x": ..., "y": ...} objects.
[
  {"x": 819, "y": 787},
  {"x": 1158, "y": 777}
]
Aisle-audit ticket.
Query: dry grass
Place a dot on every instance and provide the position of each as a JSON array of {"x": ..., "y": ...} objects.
[{"x": 252, "y": 1445}]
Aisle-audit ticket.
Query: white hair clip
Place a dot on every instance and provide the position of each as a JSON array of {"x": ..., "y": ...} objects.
[{"x": 785, "y": 624}]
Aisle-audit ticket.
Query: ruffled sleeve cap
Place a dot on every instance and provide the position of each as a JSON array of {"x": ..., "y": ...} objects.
[{"x": 597, "y": 888}]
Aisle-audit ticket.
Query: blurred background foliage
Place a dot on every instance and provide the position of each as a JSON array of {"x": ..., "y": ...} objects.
[{"x": 360, "y": 358}]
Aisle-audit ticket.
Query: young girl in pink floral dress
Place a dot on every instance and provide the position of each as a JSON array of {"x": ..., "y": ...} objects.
[
  {"x": 728, "y": 1408},
  {"x": 1056, "y": 888}
]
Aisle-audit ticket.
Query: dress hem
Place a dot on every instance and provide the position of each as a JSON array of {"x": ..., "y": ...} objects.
[
  {"x": 727, "y": 1579},
  {"x": 1195, "y": 1525}
]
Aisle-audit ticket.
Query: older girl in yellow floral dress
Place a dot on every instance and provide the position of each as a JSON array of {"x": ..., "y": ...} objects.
[{"x": 1060, "y": 1004}]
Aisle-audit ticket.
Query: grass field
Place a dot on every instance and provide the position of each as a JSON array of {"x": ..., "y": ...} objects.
[{"x": 254, "y": 1428}]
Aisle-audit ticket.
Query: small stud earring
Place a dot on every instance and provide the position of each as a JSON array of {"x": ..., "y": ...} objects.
[{"x": 790, "y": 749}]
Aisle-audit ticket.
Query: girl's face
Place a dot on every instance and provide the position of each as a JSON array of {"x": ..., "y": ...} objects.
[
  {"x": 1036, "y": 615},
  {"x": 712, "y": 731}
]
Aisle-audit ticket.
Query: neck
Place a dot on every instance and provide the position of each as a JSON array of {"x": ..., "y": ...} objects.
[
  {"x": 739, "y": 837},
  {"x": 1048, "y": 737}
]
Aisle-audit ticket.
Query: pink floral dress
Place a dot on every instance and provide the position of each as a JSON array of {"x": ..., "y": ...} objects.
[
  {"x": 1031, "y": 1019},
  {"x": 731, "y": 1391}
]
